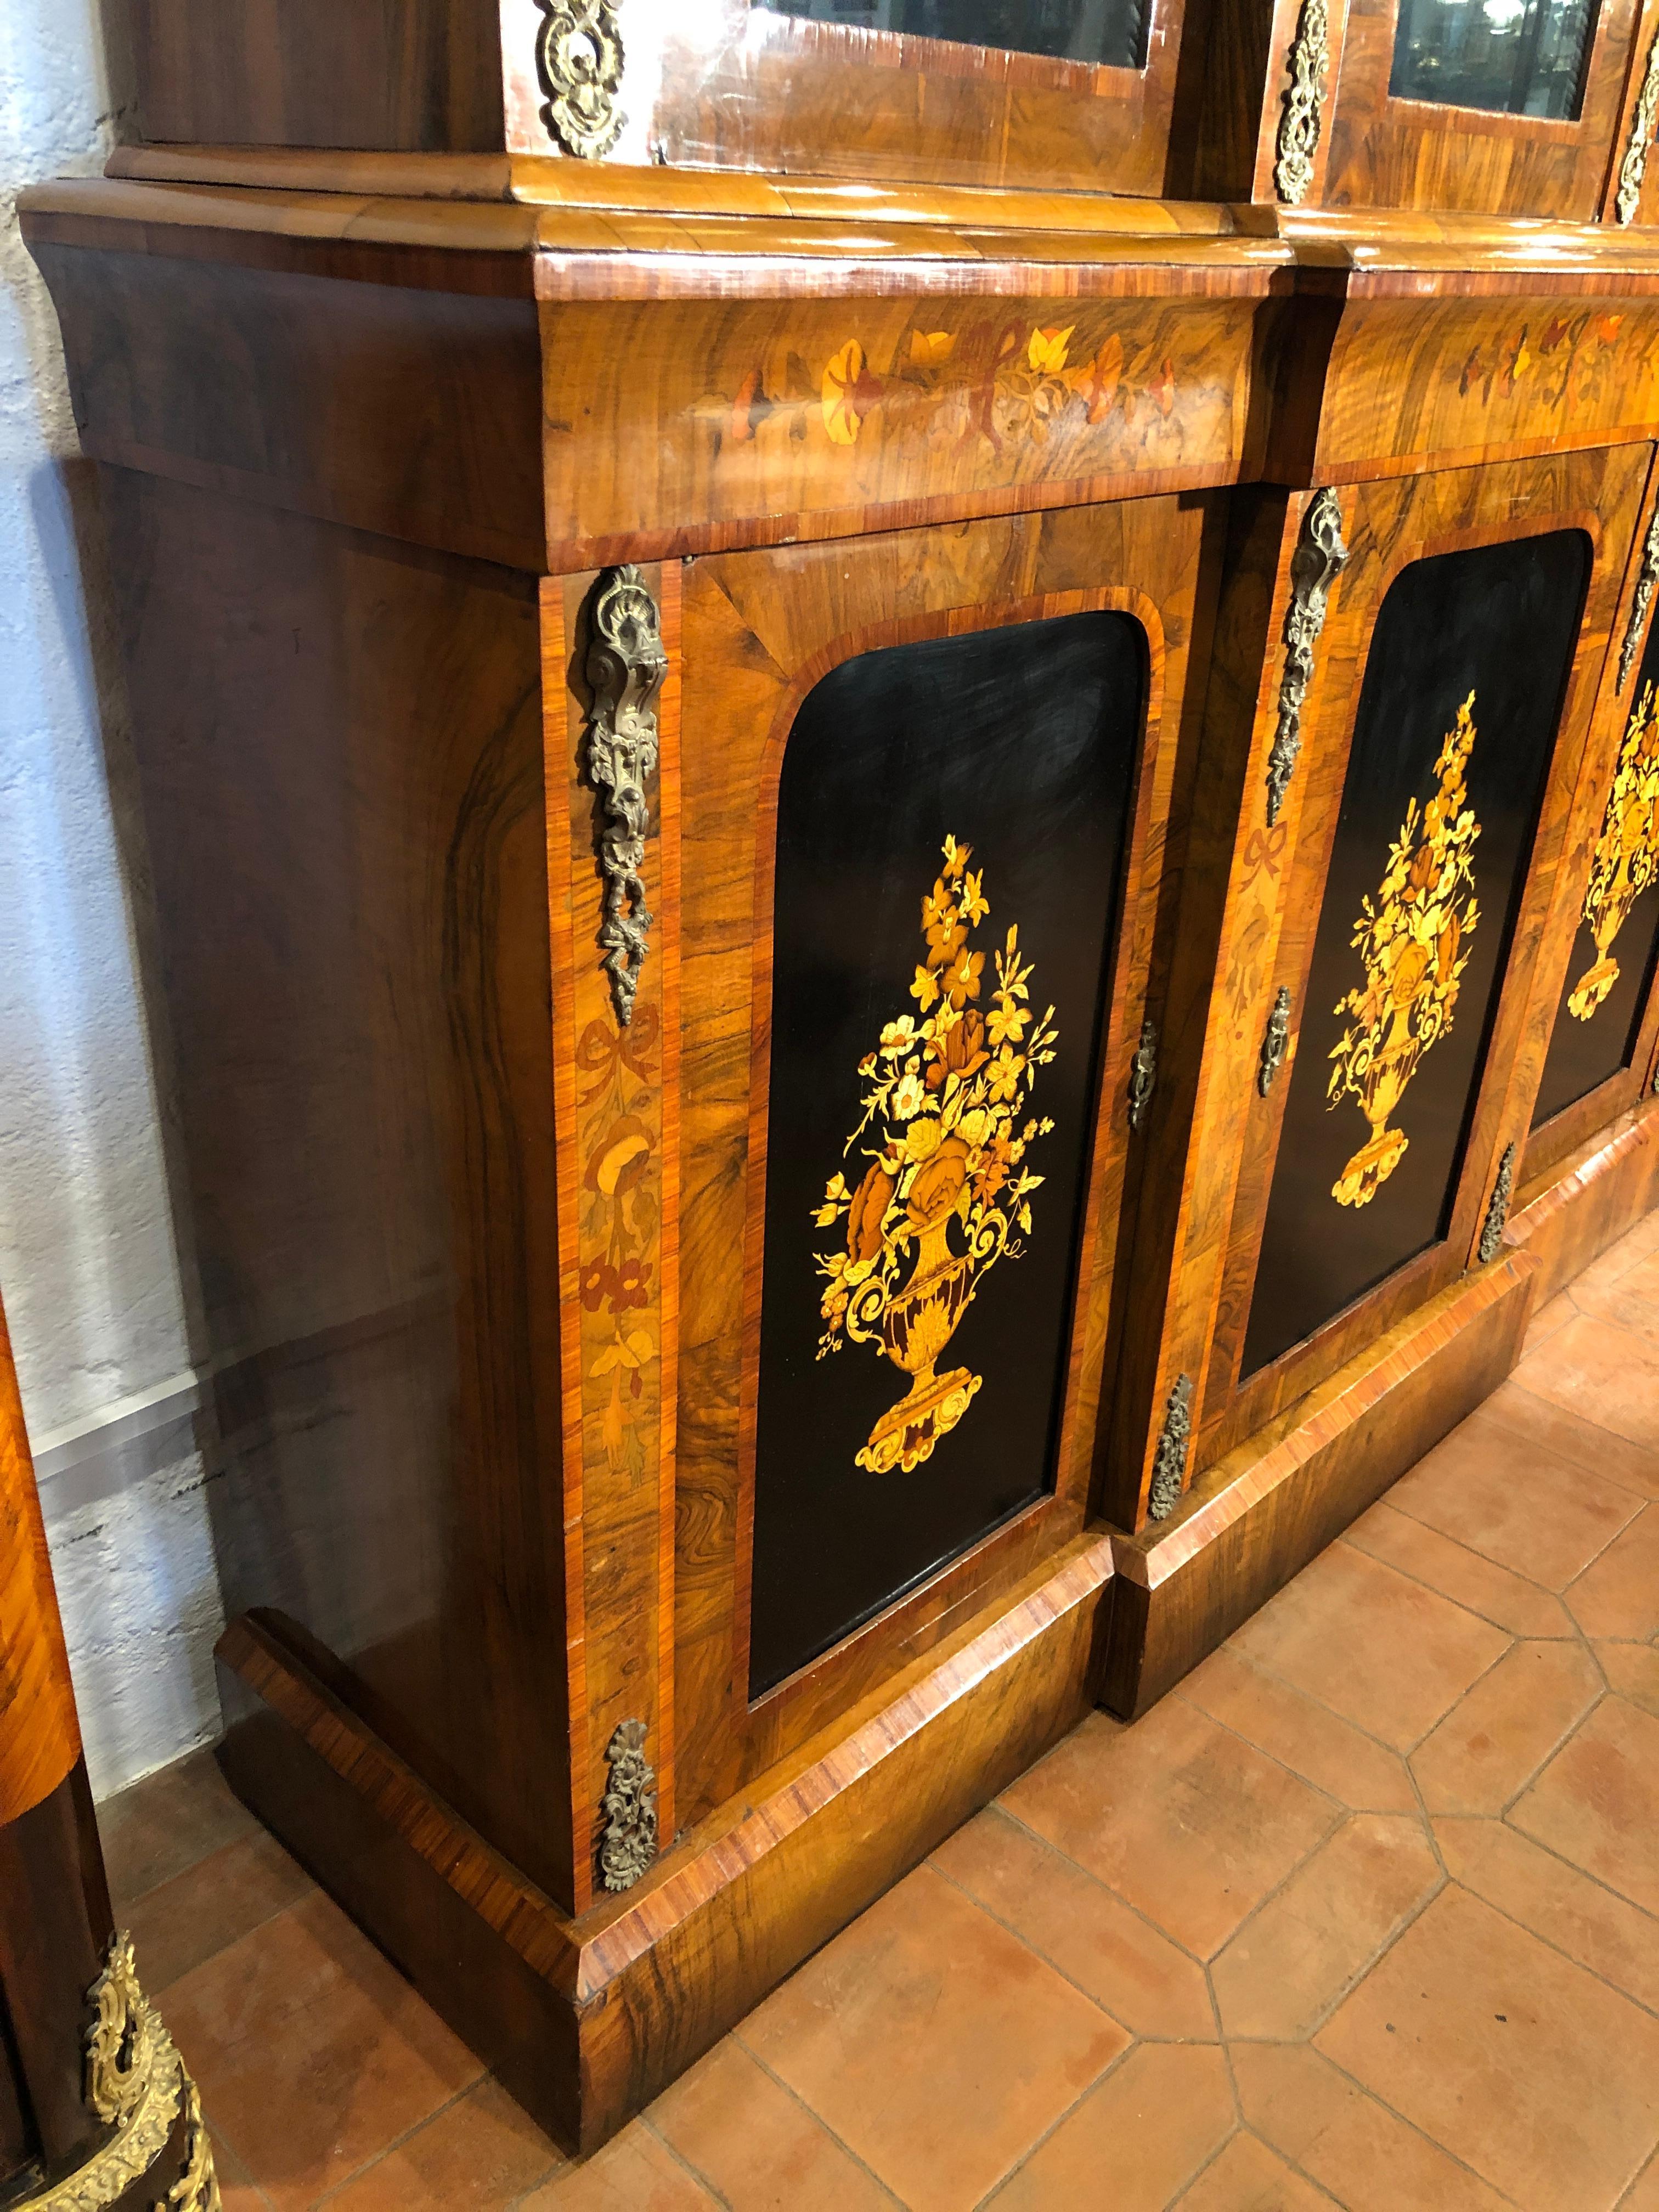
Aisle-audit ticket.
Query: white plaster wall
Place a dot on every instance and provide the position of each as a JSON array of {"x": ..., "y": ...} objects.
[{"x": 88, "y": 1266}]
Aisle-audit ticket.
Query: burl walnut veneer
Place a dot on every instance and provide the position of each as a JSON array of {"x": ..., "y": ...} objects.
[{"x": 896, "y": 924}]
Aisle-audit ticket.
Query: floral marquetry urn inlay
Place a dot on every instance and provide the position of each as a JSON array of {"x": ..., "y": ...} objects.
[
  {"x": 945, "y": 1188},
  {"x": 1411, "y": 943}
]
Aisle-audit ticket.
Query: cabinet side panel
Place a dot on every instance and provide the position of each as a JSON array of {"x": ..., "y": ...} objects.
[
  {"x": 400, "y": 75},
  {"x": 339, "y": 758}
]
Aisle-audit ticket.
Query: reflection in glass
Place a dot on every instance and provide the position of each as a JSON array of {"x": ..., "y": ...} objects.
[
  {"x": 1112, "y": 32},
  {"x": 1509, "y": 57}
]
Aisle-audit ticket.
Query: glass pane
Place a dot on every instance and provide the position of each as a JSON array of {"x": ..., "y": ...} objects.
[
  {"x": 951, "y": 817},
  {"x": 1109, "y": 31},
  {"x": 1599, "y": 1020},
  {"x": 1509, "y": 57},
  {"x": 1457, "y": 721}
]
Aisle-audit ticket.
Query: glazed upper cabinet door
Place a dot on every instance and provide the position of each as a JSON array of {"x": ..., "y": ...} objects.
[
  {"x": 926, "y": 778},
  {"x": 1488, "y": 111},
  {"x": 1069, "y": 94},
  {"x": 1414, "y": 775}
]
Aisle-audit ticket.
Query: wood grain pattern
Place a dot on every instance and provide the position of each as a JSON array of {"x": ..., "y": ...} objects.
[
  {"x": 1471, "y": 378},
  {"x": 1403, "y": 153},
  {"x": 616, "y": 1092},
  {"x": 1266, "y": 1508},
  {"x": 1565, "y": 1130},
  {"x": 1567, "y": 1215},
  {"x": 1393, "y": 523},
  {"x": 39, "y": 1733},
  {"x": 587, "y": 2020},
  {"x": 339, "y": 751},
  {"x": 417, "y": 74},
  {"x": 769, "y": 422},
  {"x": 760, "y": 630}
]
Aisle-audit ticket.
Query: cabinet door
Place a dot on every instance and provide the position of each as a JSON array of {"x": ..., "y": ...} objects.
[
  {"x": 1368, "y": 1058},
  {"x": 1599, "y": 1003},
  {"x": 925, "y": 782}
]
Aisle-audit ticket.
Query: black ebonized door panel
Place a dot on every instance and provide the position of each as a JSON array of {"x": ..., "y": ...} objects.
[
  {"x": 1457, "y": 714},
  {"x": 1600, "y": 1016},
  {"x": 951, "y": 823}
]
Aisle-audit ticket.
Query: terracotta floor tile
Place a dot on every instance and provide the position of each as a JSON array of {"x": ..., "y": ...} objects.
[
  {"x": 1628, "y": 1299},
  {"x": 1191, "y": 1825},
  {"x": 1093, "y": 1936},
  {"x": 1633, "y": 1670},
  {"x": 1136, "y": 2141},
  {"x": 755, "y": 2145},
  {"x": 1561, "y": 1906},
  {"x": 1618, "y": 1596},
  {"x": 1537, "y": 2075},
  {"x": 166, "y": 1823},
  {"x": 1645, "y": 2195},
  {"x": 1300, "y": 1733},
  {"x": 1291, "y": 1960},
  {"x": 180, "y": 1923},
  {"x": 1605, "y": 1374},
  {"x": 311, "y": 2052},
  {"x": 1549, "y": 1317},
  {"x": 1597, "y": 1801},
  {"x": 1009, "y": 2046},
  {"x": 1384, "y": 1652},
  {"x": 1515, "y": 1501},
  {"x": 1498, "y": 1737},
  {"x": 1250, "y": 2177},
  {"x": 236, "y": 2192},
  {"x": 1586, "y": 1443},
  {"x": 1364, "y": 2154},
  {"x": 478, "y": 2154},
  {"x": 1478, "y": 1584},
  {"x": 635, "y": 2172}
]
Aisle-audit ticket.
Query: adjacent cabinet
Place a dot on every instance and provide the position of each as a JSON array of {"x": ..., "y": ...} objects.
[{"x": 898, "y": 837}]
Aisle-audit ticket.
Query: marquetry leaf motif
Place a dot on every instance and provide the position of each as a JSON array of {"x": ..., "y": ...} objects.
[
  {"x": 1274, "y": 1042},
  {"x": 135, "y": 2083},
  {"x": 1411, "y": 943},
  {"x": 1143, "y": 1073},
  {"x": 1308, "y": 66},
  {"x": 1497, "y": 1208},
  {"x": 1633, "y": 167},
  {"x": 578, "y": 59},
  {"x": 1647, "y": 576},
  {"x": 626, "y": 669},
  {"x": 1626, "y": 857},
  {"x": 1319, "y": 559},
  {"x": 947, "y": 1190},
  {"x": 1170, "y": 1465},
  {"x": 629, "y": 1809}
]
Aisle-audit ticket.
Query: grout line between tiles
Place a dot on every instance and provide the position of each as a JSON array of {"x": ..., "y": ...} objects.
[
  {"x": 1496, "y": 1566},
  {"x": 1526, "y": 1928},
  {"x": 1037, "y": 1951},
  {"x": 1048, "y": 1843},
  {"x": 1186, "y": 2187},
  {"x": 1549, "y": 1405},
  {"x": 397, "y": 2142},
  {"x": 1637, "y": 2179},
  {"x": 643, "y": 2120},
  {"x": 814, "y": 2115},
  {"x": 1054, "y": 2125},
  {"x": 1434, "y": 2142}
]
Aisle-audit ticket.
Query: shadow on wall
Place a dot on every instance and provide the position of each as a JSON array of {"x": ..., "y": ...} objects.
[{"x": 89, "y": 1266}]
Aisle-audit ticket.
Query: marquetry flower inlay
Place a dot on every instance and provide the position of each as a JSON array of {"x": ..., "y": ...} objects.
[
  {"x": 945, "y": 1136},
  {"x": 1411, "y": 942},
  {"x": 1626, "y": 860}
]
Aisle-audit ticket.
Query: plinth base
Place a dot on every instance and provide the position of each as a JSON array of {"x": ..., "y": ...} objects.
[{"x": 585, "y": 2020}]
